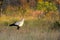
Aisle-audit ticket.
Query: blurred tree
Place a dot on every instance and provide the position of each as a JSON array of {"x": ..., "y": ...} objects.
[
  {"x": 14, "y": 2},
  {"x": 57, "y": 2},
  {"x": 1, "y": 2},
  {"x": 18, "y": 3},
  {"x": 32, "y": 3}
]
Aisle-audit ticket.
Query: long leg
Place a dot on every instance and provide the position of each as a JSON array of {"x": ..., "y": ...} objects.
[{"x": 18, "y": 27}]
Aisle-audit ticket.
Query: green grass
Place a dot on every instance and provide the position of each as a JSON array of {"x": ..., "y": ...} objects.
[
  {"x": 31, "y": 30},
  {"x": 34, "y": 28}
]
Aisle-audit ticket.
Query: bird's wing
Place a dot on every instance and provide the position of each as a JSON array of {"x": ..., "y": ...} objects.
[{"x": 17, "y": 23}]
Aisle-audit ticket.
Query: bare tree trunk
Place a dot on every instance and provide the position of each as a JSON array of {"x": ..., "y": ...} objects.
[
  {"x": 1, "y": 1},
  {"x": 32, "y": 3}
]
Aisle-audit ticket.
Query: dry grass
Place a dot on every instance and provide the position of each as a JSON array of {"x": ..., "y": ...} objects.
[
  {"x": 27, "y": 33},
  {"x": 34, "y": 28}
]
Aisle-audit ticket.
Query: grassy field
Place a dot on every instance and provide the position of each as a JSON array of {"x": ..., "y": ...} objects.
[
  {"x": 27, "y": 33},
  {"x": 40, "y": 20},
  {"x": 33, "y": 29},
  {"x": 36, "y": 27}
]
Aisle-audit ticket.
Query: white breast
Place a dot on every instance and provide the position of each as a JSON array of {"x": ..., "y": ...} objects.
[{"x": 21, "y": 23}]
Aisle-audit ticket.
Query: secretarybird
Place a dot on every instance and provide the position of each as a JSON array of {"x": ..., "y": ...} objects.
[{"x": 18, "y": 24}]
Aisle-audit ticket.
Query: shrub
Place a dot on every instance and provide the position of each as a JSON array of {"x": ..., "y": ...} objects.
[
  {"x": 46, "y": 6},
  {"x": 56, "y": 25}
]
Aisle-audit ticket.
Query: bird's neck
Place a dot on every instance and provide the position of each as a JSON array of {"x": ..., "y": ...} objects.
[{"x": 23, "y": 20}]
